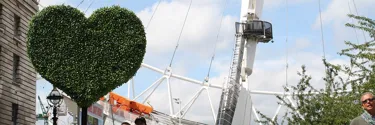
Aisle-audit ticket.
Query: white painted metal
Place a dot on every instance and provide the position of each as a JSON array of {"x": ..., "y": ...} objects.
[
  {"x": 251, "y": 6},
  {"x": 181, "y": 77},
  {"x": 256, "y": 114},
  {"x": 249, "y": 56},
  {"x": 242, "y": 114},
  {"x": 277, "y": 112},
  {"x": 178, "y": 101},
  {"x": 153, "y": 90},
  {"x": 284, "y": 93},
  {"x": 191, "y": 102},
  {"x": 211, "y": 105},
  {"x": 250, "y": 10},
  {"x": 292, "y": 102},
  {"x": 171, "y": 108},
  {"x": 206, "y": 85},
  {"x": 230, "y": 94},
  {"x": 133, "y": 87},
  {"x": 129, "y": 90},
  {"x": 157, "y": 83}
]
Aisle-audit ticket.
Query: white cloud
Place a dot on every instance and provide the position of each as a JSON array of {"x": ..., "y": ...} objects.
[
  {"x": 199, "y": 32},
  {"x": 268, "y": 4},
  {"x": 45, "y": 3},
  {"x": 335, "y": 15},
  {"x": 302, "y": 43},
  {"x": 337, "y": 10}
]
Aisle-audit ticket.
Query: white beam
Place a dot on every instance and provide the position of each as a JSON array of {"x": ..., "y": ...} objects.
[
  {"x": 152, "y": 68},
  {"x": 153, "y": 90},
  {"x": 283, "y": 93},
  {"x": 182, "y": 77},
  {"x": 259, "y": 92},
  {"x": 191, "y": 101},
  {"x": 291, "y": 102},
  {"x": 129, "y": 90},
  {"x": 157, "y": 83},
  {"x": 256, "y": 114},
  {"x": 171, "y": 108},
  {"x": 133, "y": 94},
  {"x": 212, "y": 107},
  {"x": 277, "y": 112}
]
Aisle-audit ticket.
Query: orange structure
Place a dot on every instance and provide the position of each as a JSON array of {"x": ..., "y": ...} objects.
[{"x": 127, "y": 105}]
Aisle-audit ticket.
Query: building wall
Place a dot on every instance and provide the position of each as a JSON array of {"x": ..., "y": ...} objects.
[{"x": 17, "y": 76}]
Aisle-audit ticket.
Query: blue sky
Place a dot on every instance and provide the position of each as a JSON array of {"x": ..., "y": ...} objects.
[{"x": 199, "y": 38}]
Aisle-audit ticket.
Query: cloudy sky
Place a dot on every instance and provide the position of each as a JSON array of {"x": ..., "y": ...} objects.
[{"x": 301, "y": 25}]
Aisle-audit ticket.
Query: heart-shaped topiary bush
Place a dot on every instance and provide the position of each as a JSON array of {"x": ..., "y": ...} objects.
[{"x": 86, "y": 57}]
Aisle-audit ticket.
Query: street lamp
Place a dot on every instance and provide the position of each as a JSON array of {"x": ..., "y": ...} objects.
[
  {"x": 54, "y": 99},
  {"x": 178, "y": 101}
]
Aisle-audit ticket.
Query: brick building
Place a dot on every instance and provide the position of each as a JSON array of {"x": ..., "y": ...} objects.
[{"x": 17, "y": 76}]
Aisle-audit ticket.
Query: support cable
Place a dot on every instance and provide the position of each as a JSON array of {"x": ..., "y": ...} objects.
[
  {"x": 148, "y": 24},
  {"x": 89, "y": 5},
  {"x": 217, "y": 39},
  {"x": 321, "y": 28},
  {"x": 286, "y": 53},
  {"x": 355, "y": 59},
  {"x": 80, "y": 3},
  {"x": 286, "y": 46},
  {"x": 178, "y": 41},
  {"x": 355, "y": 30},
  {"x": 356, "y": 11}
]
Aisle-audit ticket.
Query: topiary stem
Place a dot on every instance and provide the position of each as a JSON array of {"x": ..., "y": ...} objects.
[{"x": 84, "y": 116}]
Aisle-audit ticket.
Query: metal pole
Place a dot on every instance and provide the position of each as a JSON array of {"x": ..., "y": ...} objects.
[
  {"x": 113, "y": 119},
  {"x": 129, "y": 90},
  {"x": 54, "y": 115},
  {"x": 180, "y": 112},
  {"x": 78, "y": 114}
]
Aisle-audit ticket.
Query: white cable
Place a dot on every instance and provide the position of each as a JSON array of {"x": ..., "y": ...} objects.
[{"x": 321, "y": 29}]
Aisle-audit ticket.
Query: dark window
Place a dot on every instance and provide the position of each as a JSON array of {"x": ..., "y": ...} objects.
[
  {"x": 35, "y": 1},
  {"x": 16, "y": 65},
  {"x": 1, "y": 62},
  {"x": 18, "y": 3},
  {"x": 1, "y": 19},
  {"x": 17, "y": 26},
  {"x": 14, "y": 113}
]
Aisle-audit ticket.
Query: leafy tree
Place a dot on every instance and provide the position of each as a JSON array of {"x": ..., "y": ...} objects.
[
  {"x": 338, "y": 102},
  {"x": 86, "y": 57}
]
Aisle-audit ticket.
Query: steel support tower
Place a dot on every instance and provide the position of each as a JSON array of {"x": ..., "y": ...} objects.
[{"x": 235, "y": 104}]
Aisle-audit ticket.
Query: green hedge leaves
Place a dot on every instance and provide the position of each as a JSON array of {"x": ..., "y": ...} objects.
[{"x": 86, "y": 57}]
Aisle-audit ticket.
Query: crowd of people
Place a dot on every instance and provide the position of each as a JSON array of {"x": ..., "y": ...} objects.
[{"x": 138, "y": 121}]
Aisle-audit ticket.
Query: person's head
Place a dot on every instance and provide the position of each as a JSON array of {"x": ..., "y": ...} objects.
[
  {"x": 140, "y": 121},
  {"x": 368, "y": 103},
  {"x": 125, "y": 123}
]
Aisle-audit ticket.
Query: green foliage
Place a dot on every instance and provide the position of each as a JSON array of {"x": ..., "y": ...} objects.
[
  {"x": 338, "y": 102},
  {"x": 86, "y": 57}
]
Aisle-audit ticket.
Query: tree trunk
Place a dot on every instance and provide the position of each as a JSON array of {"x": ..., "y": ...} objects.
[{"x": 84, "y": 116}]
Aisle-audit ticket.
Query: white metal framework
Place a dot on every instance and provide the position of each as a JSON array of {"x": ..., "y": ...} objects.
[{"x": 205, "y": 86}]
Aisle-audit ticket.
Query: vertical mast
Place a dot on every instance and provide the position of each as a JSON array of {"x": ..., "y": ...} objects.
[{"x": 235, "y": 104}]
